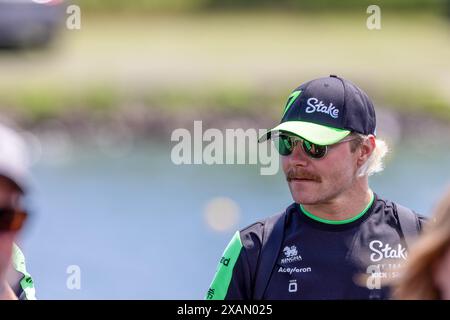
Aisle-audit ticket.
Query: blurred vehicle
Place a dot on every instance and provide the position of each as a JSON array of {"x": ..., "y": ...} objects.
[{"x": 29, "y": 23}]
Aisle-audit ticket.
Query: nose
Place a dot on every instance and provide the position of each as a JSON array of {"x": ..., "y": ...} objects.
[{"x": 298, "y": 157}]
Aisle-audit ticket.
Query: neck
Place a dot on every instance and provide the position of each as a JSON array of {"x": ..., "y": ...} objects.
[{"x": 344, "y": 206}]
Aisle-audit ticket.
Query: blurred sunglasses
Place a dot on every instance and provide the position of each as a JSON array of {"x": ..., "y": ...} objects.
[
  {"x": 11, "y": 219},
  {"x": 285, "y": 144}
]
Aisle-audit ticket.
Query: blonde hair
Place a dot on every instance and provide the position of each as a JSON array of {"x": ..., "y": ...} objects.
[
  {"x": 375, "y": 162},
  {"x": 417, "y": 281}
]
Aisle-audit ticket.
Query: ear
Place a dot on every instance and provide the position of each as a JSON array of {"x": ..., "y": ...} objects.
[{"x": 365, "y": 149}]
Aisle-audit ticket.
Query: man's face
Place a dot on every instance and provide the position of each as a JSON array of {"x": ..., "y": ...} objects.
[
  {"x": 9, "y": 194},
  {"x": 9, "y": 199},
  {"x": 316, "y": 181}
]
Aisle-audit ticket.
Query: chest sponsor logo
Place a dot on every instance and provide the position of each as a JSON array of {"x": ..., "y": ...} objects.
[
  {"x": 386, "y": 263},
  {"x": 292, "y": 286},
  {"x": 382, "y": 251},
  {"x": 294, "y": 270},
  {"x": 290, "y": 255}
]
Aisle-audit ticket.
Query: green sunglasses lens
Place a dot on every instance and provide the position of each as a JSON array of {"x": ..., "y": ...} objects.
[
  {"x": 314, "y": 150},
  {"x": 284, "y": 145}
]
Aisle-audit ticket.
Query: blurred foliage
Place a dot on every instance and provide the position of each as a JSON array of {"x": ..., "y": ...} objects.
[
  {"x": 289, "y": 5},
  {"x": 139, "y": 5},
  {"x": 47, "y": 101},
  {"x": 42, "y": 103},
  {"x": 419, "y": 101}
]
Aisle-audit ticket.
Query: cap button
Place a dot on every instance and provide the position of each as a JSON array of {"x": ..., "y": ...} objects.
[{"x": 333, "y": 75}]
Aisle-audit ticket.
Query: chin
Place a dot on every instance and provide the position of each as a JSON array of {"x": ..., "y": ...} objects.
[
  {"x": 302, "y": 202},
  {"x": 304, "y": 196}
]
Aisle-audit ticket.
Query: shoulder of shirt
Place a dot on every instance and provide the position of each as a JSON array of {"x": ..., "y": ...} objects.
[
  {"x": 251, "y": 235},
  {"x": 389, "y": 204}
]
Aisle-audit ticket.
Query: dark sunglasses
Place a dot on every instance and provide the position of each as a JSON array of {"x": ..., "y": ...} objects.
[
  {"x": 11, "y": 219},
  {"x": 285, "y": 144}
]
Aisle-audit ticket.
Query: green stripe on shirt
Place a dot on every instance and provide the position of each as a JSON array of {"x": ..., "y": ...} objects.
[{"x": 219, "y": 286}]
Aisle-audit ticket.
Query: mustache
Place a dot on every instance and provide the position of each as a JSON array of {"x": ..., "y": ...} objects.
[{"x": 296, "y": 173}]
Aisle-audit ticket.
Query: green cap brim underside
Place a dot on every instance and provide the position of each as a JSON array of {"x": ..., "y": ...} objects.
[{"x": 315, "y": 133}]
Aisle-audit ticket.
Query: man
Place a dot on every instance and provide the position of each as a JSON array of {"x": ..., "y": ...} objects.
[
  {"x": 15, "y": 282},
  {"x": 338, "y": 240}
]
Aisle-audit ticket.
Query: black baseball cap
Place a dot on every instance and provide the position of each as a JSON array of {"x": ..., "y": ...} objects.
[{"x": 326, "y": 110}]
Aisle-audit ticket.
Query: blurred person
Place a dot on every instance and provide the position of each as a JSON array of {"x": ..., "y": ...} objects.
[
  {"x": 15, "y": 282},
  {"x": 337, "y": 229},
  {"x": 427, "y": 272}
]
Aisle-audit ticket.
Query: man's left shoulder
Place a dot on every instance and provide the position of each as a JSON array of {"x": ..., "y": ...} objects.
[{"x": 390, "y": 207}]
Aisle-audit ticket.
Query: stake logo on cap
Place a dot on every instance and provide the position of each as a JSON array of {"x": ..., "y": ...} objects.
[{"x": 326, "y": 110}]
